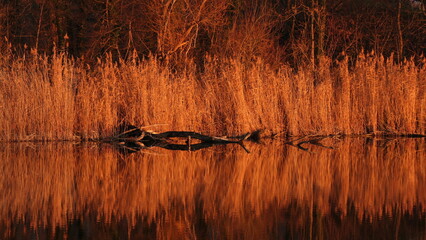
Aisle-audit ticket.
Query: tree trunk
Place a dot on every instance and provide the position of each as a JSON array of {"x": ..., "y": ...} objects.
[
  {"x": 322, "y": 18},
  {"x": 400, "y": 40},
  {"x": 312, "y": 12}
]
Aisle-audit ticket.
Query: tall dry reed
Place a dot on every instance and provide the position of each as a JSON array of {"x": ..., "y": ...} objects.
[{"x": 58, "y": 98}]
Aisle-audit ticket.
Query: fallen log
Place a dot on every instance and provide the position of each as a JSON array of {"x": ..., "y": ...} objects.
[
  {"x": 132, "y": 138},
  {"x": 199, "y": 136}
]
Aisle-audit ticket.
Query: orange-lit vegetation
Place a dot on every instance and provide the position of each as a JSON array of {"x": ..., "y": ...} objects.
[
  {"x": 46, "y": 185},
  {"x": 58, "y": 98},
  {"x": 75, "y": 70}
]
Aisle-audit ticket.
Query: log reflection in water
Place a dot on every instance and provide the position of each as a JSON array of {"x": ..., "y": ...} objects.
[{"x": 222, "y": 190}]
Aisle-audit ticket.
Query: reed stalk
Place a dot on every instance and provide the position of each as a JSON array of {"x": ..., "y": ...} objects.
[{"x": 59, "y": 98}]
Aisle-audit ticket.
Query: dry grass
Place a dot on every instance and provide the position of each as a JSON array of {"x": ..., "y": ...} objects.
[
  {"x": 57, "y": 98},
  {"x": 46, "y": 185}
]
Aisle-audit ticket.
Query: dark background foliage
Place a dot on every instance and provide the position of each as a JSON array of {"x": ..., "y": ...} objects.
[{"x": 292, "y": 31}]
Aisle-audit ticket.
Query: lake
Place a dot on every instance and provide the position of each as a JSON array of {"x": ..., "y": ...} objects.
[{"x": 363, "y": 188}]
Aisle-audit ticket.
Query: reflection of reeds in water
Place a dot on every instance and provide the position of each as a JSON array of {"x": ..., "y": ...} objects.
[
  {"x": 58, "y": 98},
  {"x": 48, "y": 184}
]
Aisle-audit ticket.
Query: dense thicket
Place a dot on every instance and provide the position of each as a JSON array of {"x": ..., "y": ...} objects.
[
  {"x": 57, "y": 98},
  {"x": 228, "y": 55},
  {"x": 294, "y": 31}
]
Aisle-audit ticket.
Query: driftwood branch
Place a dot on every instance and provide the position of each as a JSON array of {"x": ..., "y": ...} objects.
[{"x": 131, "y": 139}]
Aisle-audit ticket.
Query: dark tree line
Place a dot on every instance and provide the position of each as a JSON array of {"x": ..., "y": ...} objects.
[{"x": 292, "y": 31}]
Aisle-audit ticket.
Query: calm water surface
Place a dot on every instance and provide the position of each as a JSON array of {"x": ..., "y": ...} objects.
[{"x": 361, "y": 189}]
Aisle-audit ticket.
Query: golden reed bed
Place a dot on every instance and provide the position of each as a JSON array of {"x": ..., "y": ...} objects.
[
  {"x": 48, "y": 184},
  {"x": 57, "y": 98}
]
